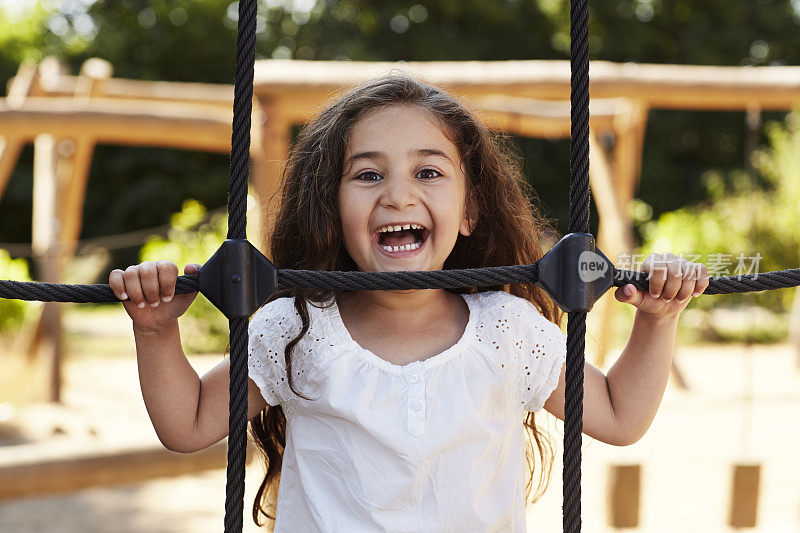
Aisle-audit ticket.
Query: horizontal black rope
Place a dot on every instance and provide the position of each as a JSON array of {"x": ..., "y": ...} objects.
[
  {"x": 402, "y": 280},
  {"x": 59, "y": 292}
]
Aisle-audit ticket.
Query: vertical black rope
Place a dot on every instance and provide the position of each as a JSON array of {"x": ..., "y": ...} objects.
[
  {"x": 237, "y": 424},
  {"x": 237, "y": 223},
  {"x": 242, "y": 109},
  {"x": 578, "y": 223}
]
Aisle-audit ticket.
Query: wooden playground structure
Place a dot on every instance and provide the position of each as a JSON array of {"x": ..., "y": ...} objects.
[{"x": 65, "y": 116}]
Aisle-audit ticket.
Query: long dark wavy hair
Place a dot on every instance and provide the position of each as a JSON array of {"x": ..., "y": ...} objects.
[{"x": 510, "y": 230}]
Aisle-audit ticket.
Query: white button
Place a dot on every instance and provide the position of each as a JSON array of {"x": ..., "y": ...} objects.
[
  {"x": 414, "y": 378},
  {"x": 416, "y": 405}
]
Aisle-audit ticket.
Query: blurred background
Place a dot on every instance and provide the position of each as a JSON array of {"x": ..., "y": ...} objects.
[{"x": 710, "y": 182}]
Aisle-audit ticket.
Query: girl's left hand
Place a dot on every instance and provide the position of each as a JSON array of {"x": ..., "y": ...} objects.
[{"x": 673, "y": 282}]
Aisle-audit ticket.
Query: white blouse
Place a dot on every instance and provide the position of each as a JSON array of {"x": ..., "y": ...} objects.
[{"x": 431, "y": 446}]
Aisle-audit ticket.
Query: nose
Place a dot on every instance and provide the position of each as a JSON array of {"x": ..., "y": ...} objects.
[{"x": 399, "y": 193}]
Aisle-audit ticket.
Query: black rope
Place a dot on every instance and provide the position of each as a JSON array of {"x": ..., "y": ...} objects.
[
  {"x": 237, "y": 426},
  {"x": 578, "y": 223},
  {"x": 237, "y": 225},
  {"x": 437, "y": 279}
]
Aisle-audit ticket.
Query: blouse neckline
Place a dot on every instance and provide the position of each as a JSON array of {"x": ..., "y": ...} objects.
[{"x": 337, "y": 325}]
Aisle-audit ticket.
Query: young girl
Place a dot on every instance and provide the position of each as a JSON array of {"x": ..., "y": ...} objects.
[{"x": 402, "y": 410}]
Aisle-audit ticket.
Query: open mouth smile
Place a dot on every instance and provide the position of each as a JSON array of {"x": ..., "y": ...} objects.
[{"x": 400, "y": 240}]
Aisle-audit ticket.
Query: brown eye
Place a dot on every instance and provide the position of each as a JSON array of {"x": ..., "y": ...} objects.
[
  {"x": 368, "y": 176},
  {"x": 428, "y": 173}
]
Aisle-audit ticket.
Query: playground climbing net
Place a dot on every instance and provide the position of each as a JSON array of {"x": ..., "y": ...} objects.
[{"x": 238, "y": 279}]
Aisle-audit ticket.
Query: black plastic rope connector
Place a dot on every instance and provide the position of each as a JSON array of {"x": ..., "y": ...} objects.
[
  {"x": 237, "y": 279},
  {"x": 575, "y": 273}
]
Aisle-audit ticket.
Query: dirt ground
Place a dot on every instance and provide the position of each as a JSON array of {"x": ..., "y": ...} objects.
[{"x": 741, "y": 406}]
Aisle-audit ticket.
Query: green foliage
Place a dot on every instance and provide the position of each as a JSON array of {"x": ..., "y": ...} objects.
[
  {"x": 12, "y": 312},
  {"x": 192, "y": 239},
  {"x": 174, "y": 40},
  {"x": 22, "y": 35},
  {"x": 739, "y": 219}
]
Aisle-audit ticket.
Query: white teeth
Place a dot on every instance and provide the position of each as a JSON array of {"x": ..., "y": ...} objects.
[
  {"x": 399, "y": 228},
  {"x": 402, "y": 248}
]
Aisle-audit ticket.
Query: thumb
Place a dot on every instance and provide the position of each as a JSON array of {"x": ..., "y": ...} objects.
[
  {"x": 628, "y": 294},
  {"x": 191, "y": 268}
]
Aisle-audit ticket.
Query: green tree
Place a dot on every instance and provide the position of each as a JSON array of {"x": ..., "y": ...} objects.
[{"x": 737, "y": 221}]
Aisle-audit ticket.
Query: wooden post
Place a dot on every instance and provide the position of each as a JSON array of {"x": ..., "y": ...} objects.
[
  {"x": 24, "y": 84},
  {"x": 47, "y": 342},
  {"x": 92, "y": 79},
  {"x": 270, "y": 146},
  {"x": 61, "y": 170},
  {"x": 794, "y": 326},
  {"x": 624, "y": 495},
  {"x": 9, "y": 154},
  {"x": 628, "y": 148},
  {"x": 629, "y": 131},
  {"x": 743, "y": 512},
  {"x": 615, "y": 235}
]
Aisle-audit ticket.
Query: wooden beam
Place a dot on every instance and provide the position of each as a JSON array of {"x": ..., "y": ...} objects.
[
  {"x": 52, "y": 471},
  {"x": 658, "y": 86},
  {"x": 543, "y": 118},
  {"x": 308, "y": 83},
  {"x": 219, "y": 95},
  {"x": 93, "y": 78},
  {"x": 192, "y": 127}
]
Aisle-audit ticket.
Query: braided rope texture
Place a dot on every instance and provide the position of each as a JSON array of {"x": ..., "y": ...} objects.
[
  {"x": 437, "y": 279},
  {"x": 242, "y": 110},
  {"x": 237, "y": 225},
  {"x": 579, "y": 198},
  {"x": 237, "y": 426}
]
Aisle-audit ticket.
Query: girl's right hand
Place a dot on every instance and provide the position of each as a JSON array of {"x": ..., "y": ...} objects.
[{"x": 153, "y": 304}]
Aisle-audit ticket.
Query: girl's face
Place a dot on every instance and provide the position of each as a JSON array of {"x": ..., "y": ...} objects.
[{"x": 402, "y": 196}]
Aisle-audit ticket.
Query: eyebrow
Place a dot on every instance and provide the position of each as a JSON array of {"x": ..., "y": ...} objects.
[{"x": 382, "y": 156}]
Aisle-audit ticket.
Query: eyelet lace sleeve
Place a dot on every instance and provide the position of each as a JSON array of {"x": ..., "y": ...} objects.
[
  {"x": 270, "y": 329},
  {"x": 537, "y": 352}
]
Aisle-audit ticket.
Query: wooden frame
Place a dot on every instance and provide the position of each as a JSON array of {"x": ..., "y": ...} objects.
[{"x": 66, "y": 115}]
